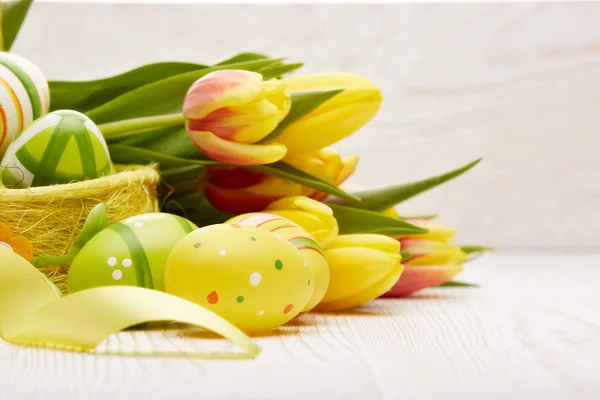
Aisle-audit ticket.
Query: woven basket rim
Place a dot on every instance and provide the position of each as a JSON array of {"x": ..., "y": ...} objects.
[{"x": 127, "y": 175}]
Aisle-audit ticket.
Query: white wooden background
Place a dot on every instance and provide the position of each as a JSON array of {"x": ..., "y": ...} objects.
[{"x": 518, "y": 84}]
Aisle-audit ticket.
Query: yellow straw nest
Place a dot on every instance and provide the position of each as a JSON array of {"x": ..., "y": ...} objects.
[{"x": 51, "y": 217}]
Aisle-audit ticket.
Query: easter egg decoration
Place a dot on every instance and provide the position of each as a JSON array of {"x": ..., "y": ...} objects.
[
  {"x": 60, "y": 147},
  {"x": 24, "y": 96},
  {"x": 132, "y": 252},
  {"x": 252, "y": 278},
  {"x": 309, "y": 249}
]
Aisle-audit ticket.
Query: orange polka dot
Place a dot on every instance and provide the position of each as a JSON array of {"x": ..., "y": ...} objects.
[
  {"x": 213, "y": 297},
  {"x": 288, "y": 308}
]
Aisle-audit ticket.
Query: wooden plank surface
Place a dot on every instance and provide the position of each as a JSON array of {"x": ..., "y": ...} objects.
[
  {"x": 532, "y": 330},
  {"x": 516, "y": 83}
]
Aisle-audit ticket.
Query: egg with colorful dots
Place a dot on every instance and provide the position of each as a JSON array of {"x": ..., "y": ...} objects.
[
  {"x": 249, "y": 276},
  {"x": 24, "y": 96},
  {"x": 132, "y": 252},
  {"x": 309, "y": 249},
  {"x": 61, "y": 147}
]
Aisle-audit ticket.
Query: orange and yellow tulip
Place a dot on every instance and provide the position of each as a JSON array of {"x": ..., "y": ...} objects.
[
  {"x": 228, "y": 112},
  {"x": 433, "y": 259},
  {"x": 238, "y": 190}
]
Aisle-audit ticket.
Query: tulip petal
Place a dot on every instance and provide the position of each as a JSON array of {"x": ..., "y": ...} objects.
[
  {"x": 253, "y": 121},
  {"x": 219, "y": 89},
  {"x": 415, "y": 278},
  {"x": 328, "y": 81},
  {"x": 313, "y": 216},
  {"x": 429, "y": 252},
  {"x": 316, "y": 131},
  {"x": 373, "y": 241},
  {"x": 372, "y": 292},
  {"x": 256, "y": 197},
  {"x": 236, "y": 153},
  {"x": 347, "y": 169},
  {"x": 302, "y": 203},
  {"x": 355, "y": 269},
  {"x": 439, "y": 232}
]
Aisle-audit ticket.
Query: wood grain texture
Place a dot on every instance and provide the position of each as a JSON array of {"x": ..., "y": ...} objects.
[
  {"x": 518, "y": 84},
  {"x": 532, "y": 330}
]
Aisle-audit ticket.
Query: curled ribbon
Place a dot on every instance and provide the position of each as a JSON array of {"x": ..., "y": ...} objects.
[{"x": 34, "y": 313}]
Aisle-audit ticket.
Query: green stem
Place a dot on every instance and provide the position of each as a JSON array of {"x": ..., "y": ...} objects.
[
  {"x": 42, "y": 261},
  {"x": 134, "y": 126}
]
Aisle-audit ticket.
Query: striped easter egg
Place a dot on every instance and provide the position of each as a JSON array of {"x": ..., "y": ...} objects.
[
  {"x": 61, "y": 147},
  {"x": 132, "y": 252},
  {"x": 24, "y": 96},
  {"x": 311, "y": 251}
]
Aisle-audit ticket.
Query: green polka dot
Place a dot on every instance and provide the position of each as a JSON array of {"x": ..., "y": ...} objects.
[
  {"x": 196, "y": 245},
  {"x": 253, "y": 239},
  {"x": 240, "y": 299},
  {"x": 278, "y": 264},
  {"x": 309, "y": 283}
]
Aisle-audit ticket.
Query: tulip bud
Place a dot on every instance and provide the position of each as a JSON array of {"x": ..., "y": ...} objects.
[
  {"x": 326, "y": 164},
  {"x": 227, "y": 112},
  {"x": 314, "y": 217},
  {"x": 336, "y": 118},
  {"x": 362, "y": 267},
  {"x": 432, "y": 261},
  {"x": 238, "y": 190}
]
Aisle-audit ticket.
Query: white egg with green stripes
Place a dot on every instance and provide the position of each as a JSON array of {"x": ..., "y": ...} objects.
[
  {"x": 61, "y": 147},
  {"x": 24, "y": 96}
]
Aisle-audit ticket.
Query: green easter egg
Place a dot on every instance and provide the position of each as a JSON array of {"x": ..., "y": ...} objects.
[
  {"x": 132, "y": 252},
  {"x": 61, "y": 147}
]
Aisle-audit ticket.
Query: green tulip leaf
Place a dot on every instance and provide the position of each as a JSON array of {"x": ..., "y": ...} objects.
[
  {"x": 12, "y": 15},
  {"x": 243, "y": 57},
  {"x": 161, "y": 97},
  {"x": 278, "y": 71},
  {"x": 475, "y": 249},
  {"x": 387, "y": 197},
  {"x": 286, "y": 171},
  {"x": 302, "y": 104},
  {"x": 176, "y": 143},
  {"x": 430, "y": 216},
  {"x": 354, "y": 220},
  {"x": 123, "y": 154},
  {"x": 86, "y": 95},
  {"x": 143, "y": 139},
  {"x": 457, "y": 284},
  {"x": 196, "y": 208},
  {"x": 189, "y": 173}
]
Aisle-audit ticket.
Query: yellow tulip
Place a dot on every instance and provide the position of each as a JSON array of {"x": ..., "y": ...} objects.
[
  {"x": 228, "y": 112},
  {"x": 326, "y": 164},
  {"x": 433, "y": 259},
  {"x": 335, "y": 119},
  {"x": 314, "y": 217},
  {"x": 362, "y": 268},
  {"x": 238, "y": 190}
]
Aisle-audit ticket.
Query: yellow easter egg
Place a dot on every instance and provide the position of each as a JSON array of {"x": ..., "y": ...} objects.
[
  {"x": 309, "y": 249},
  {"x": 247, "y": 275}
]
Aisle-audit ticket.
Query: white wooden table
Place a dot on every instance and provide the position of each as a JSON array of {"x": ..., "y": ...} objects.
[{"x": 532, "y": 330}]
